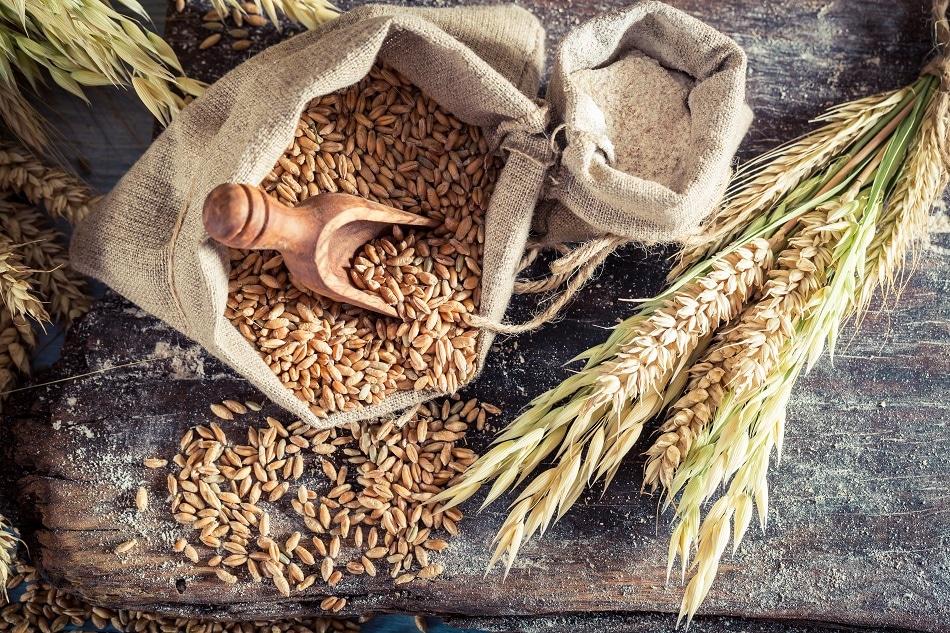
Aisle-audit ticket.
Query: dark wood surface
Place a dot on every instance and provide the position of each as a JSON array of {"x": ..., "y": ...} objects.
[{"x": 858, "y": 527}]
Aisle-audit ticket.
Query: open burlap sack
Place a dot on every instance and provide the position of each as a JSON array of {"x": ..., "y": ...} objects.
[
  {"x": 592, "y": 197},
  {"x": 146, "y": 239},
  {"x": 483, "y": 64}
]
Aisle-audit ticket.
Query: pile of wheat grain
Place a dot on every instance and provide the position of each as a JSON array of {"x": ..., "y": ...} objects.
[
  {"x": 39, "y": 606},
  {"x": 357, "y": 500},
  {"x": 385, "y": 140}
]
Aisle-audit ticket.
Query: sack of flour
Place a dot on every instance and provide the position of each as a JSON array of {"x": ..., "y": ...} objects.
[
  {"x": 439, "y": 94},
  {"x": 652, "y": 104}
]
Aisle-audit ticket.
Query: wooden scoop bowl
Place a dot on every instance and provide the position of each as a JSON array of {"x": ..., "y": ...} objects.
[{"x": 318, "y": 238}]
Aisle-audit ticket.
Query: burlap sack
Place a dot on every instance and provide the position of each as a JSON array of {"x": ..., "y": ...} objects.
[
  {"x": 146, "y": 239},
  {"x": 483, "y": 64},
  {"x": 591, "y": 197}
]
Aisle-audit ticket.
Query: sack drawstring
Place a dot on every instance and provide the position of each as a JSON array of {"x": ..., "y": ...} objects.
[{"x": 575, "y": 267}]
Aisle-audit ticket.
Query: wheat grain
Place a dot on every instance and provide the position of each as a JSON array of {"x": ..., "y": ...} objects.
[
  {"x": 222, "y": 411},
  {"x": 309, "y": 13},
  {"x": 209, "y": 41},
  {"x": 223, "y": 491},
  {"x": 42, "y": 607},
  {"x": 141, "y": 499}
]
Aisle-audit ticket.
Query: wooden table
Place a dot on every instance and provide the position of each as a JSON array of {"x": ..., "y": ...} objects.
[{"x": 858, "y": 529}]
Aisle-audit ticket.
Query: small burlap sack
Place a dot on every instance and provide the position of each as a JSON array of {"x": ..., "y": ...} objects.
[
  {"x": 483, "y": 64},
  {"x": 146, "y": 239},
  {"x": 592, "y": 197}
]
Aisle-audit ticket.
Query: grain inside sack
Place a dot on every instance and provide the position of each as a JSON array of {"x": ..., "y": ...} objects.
[{"x": 385, "y": 140}]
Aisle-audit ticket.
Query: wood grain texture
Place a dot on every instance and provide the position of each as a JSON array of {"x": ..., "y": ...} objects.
[
  {"x": 858, "y": 523},
  {"x": 646, "y": 623}
]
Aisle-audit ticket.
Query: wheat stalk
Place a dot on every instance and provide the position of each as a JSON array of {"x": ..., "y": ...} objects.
[
  {"x": 41, "y": 251},
  {"x": 604, "y": 406},
  {"x": 903, "y": 224},
  {"x": 752, "y": 401},
  {"x": 742, "y": 355},
  {"x": 759, "y": 185},
  {"x": 22, "y": 119},
  {"x": 734, "y": 448},
  {"x": 59, "y": 192},
  {"x": 16, "y": 341},
  {"x": 840, "y": 207}
]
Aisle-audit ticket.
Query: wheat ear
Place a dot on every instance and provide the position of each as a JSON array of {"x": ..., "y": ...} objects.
[
  {"x": 904, "y": 222},
  {"x": 735, "y": 447},
  {"x": 19, "y": 297},
  {"x": 22, "y": 119},
  {"x": 742, "y": 355},
  {"x": 59, "y": 192},
  {"x": 64, "y": 289},
  {"x": 16, "y": 342},
  {"x": 8, "y": 548},
  {"x": 593, "y": 419},
  {"x": 759, "y": 185}
]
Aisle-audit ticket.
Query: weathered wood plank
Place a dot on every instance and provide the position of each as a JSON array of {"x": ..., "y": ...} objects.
[
  {"x": 643, "y": 623},
  {"x": 857, "y": 531}
]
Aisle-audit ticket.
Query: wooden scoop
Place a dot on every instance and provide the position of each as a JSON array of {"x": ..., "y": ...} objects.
[{"x": 318, "y": 238}]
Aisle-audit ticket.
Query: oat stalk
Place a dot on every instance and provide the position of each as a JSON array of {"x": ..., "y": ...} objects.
[{"x": 80, "y": 43}]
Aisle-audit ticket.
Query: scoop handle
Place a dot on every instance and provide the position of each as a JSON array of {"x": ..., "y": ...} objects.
[{"x": 243, "y": 216}]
